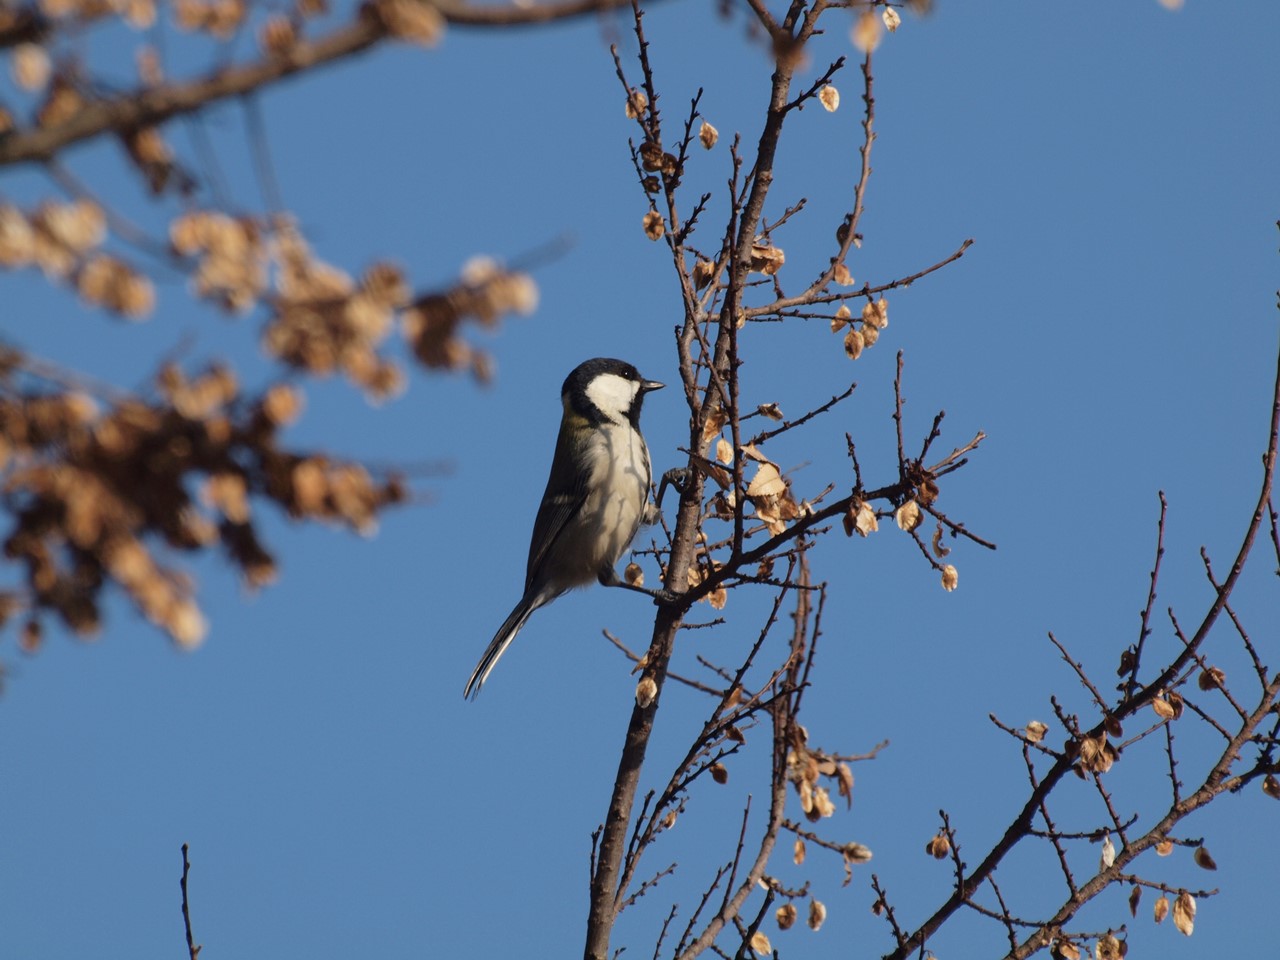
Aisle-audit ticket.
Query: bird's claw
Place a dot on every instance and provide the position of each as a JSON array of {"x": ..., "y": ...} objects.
[
  {"x": 663, "y": 595},
  {"x": 609, "y": 578},
  {"x": 678, "y": 477}
]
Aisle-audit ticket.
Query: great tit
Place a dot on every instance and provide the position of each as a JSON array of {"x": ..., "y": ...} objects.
[{"x": 596, "y": 498}]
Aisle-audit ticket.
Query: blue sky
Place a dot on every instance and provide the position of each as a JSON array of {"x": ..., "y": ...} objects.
[{"x": 1113, "y": 331}]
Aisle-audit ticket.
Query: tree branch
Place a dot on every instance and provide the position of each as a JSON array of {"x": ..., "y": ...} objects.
[{"x": 150, "y": 106}]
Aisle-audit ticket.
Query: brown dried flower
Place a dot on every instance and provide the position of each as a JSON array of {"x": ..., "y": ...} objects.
[
  {"x": 938, "y": 847},
  {"x": 654, "y": 227}
]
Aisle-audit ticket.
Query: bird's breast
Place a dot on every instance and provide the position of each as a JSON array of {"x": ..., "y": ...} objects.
[{"x": 619, "y": 469}]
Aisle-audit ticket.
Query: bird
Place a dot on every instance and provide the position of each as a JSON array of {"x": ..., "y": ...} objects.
[{"x": 596, "y": 499}]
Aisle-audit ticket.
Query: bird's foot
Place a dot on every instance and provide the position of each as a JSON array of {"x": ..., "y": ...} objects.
[
  {"x": 679, "y": 477},
  {"x": 610, "y": 578}
]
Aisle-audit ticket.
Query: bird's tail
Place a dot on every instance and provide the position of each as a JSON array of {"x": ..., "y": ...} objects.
[{"x": 501, "y": 640}]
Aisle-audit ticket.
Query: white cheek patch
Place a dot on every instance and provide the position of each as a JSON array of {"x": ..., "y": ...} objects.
[{"x": 613, "y": 395}]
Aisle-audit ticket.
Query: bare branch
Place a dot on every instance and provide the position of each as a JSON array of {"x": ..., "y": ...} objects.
[{"x": 193, "y": 949}]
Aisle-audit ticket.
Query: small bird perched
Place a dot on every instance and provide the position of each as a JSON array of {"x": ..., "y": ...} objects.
[{"x": 596, "y": 498}]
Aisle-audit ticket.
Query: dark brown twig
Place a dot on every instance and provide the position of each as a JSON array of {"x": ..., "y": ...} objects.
[{"x": 193, "y": 949}]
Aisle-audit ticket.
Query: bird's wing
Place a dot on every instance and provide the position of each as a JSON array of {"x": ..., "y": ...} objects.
[{"x": 566, "y": 491}]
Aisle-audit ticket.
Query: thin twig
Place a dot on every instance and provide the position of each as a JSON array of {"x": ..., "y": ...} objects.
[
  {"x": 635, "y": 658},
  {"x": 193, "y": 949}
]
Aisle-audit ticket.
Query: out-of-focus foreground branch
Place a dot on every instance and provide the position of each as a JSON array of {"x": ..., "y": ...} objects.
[
  {"x": 98, "y": 479},
  {"x": 79, "y": 117}
]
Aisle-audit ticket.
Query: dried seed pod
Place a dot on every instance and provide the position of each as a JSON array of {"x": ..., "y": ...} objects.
[
  {"x": 841, "y": 318},
  {"x": 1108, "y": 856},
  {"x": 854, "y": 344},
  {"x": 1271, "y": 786},
  {"x": 1110, "y": 947},
  {"x": 950, "y": 577},
  {"x": 646, "y": 692},
  {"x": 866, "y": 31},
  {"x": 856, "y": 853},
  {"x": 817, "y": 914},
  {"x": 908, "y": 516},
  {"x": 766, "y": 258},
  {"x": 1184, "y": 913},
  {"x": 637, "y": 104},
  {"x": 1211, "y": 679},
  {"x": 651, "y": 156},
  {"x": 30, "y": 66}
]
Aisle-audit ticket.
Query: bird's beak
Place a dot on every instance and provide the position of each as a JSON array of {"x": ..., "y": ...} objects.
[{"x": 648, "y": 386}]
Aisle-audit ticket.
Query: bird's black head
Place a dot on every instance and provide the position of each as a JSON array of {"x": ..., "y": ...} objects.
[{"x": 605, "y": 389}]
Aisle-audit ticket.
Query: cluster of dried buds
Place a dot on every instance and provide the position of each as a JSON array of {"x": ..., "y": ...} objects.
[
  {"x": 861, "y": 518},
  {"x": 30, "y": 64},
  {"x": 1168, "y": 706},
  {"x": 1108, "y": 947},
  {"x": 785, "y": 917},
  {"x": 1111, "y": 947},
  {"x": 704, "y": 565},
  {"x": 322, "y": 321},
  {"x": 486, "y": 291},
  {"x": 768, "y": 492},
  {"x": 766, "y": 258},
  {"x": 33, "y": 69},
  {"x": 62, "y": 239},
  {"x": 864, "y": 331},
  {"x": 770, "y": 495},
  {"x": 805, "y": 769},
  {"x": 61, "y": 86},
  {"x": 94, "y": 487},
  {"x": 231, "y": 255},
  {"x": 1095, "y": 754}
]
